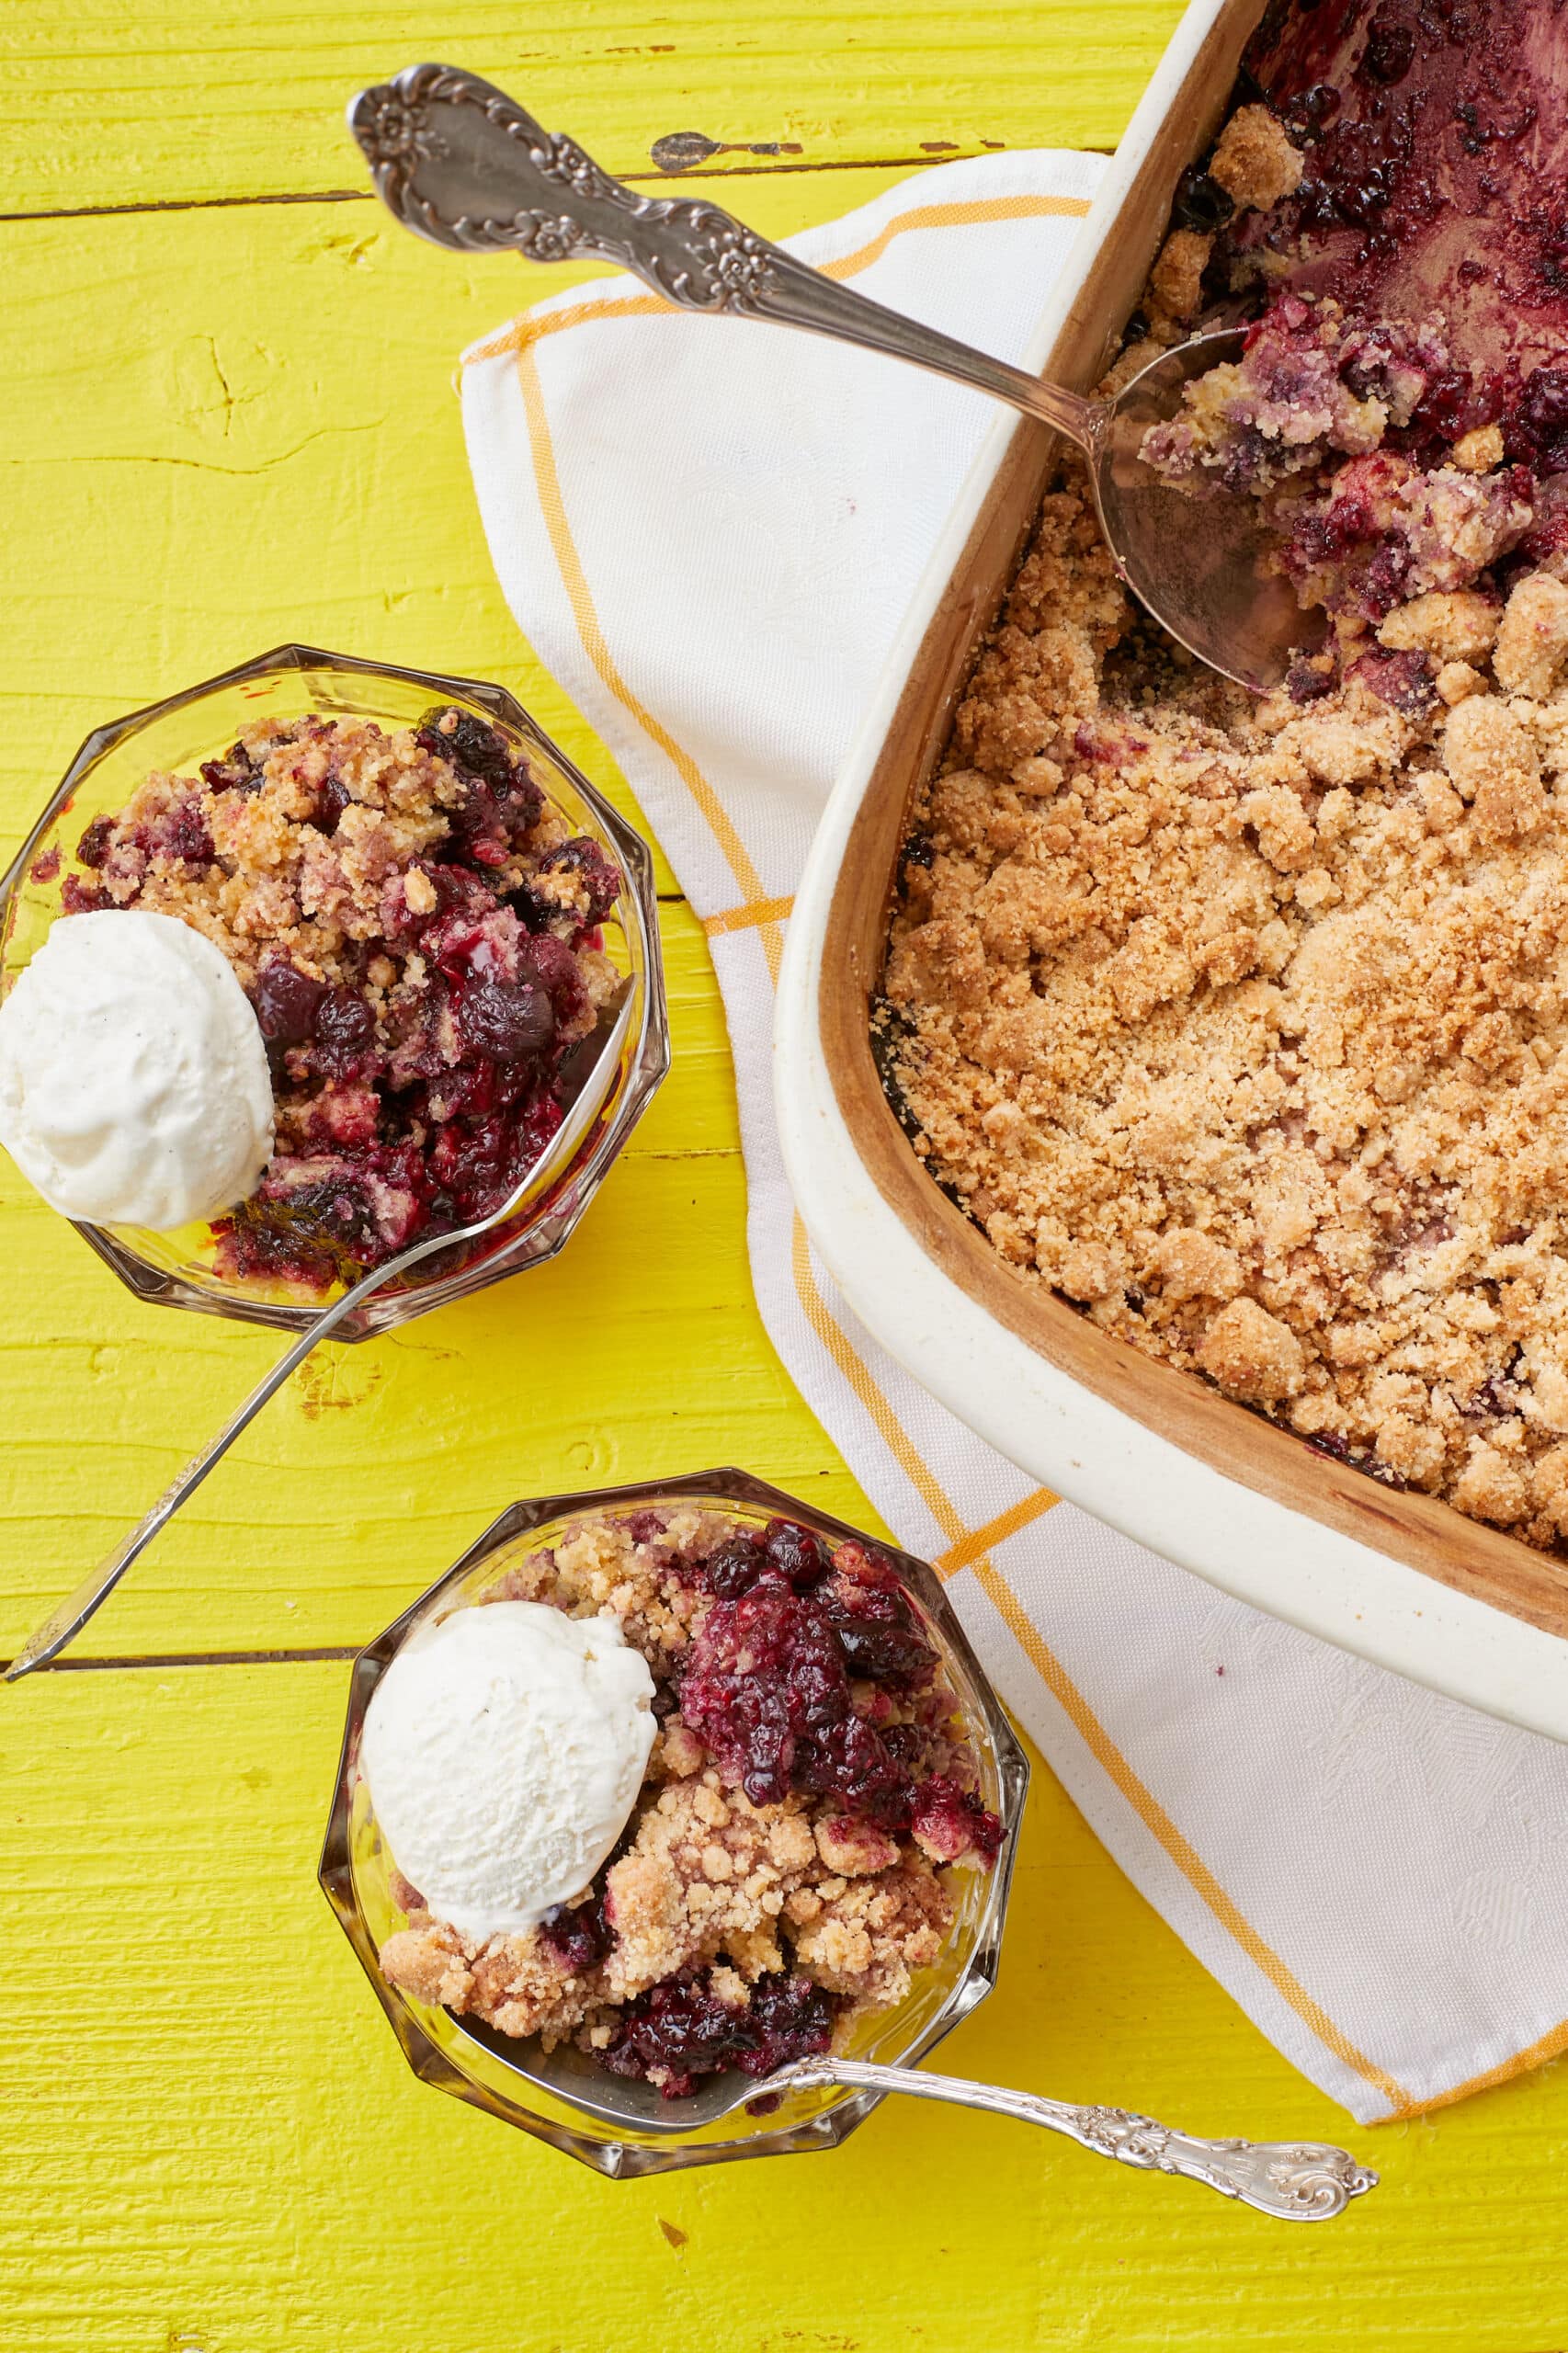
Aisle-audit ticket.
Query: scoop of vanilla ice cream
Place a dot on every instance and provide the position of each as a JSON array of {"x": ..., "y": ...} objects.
[
  {"x": 504, "y": 1748},
  {"x": 133, "y": 1080}
]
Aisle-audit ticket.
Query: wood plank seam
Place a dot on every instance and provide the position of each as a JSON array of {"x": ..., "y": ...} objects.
[{"x": 655, "y": 178}]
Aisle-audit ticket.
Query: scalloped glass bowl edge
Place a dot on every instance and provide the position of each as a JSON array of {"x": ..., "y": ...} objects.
[
  {"x": 353, "y": 1871},
  {"x": 175, "y": 1269}
]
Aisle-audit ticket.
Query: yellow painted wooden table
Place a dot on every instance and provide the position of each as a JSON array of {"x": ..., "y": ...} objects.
[{"x": 228, "y": 419}]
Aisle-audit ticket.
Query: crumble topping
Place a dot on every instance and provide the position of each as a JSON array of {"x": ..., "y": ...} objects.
[
  {"x": 417, "y": 930},
  {"x": 1246, "y": 1024},
  {"x": 1254, "y": 160},
  {"x": 788, "y": 1868}
]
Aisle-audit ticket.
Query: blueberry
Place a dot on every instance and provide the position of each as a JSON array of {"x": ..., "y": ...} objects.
[
  {"x": 333, "y": 1210},
  {"x": 233, "y": 773},
  {"x": 796, "y": 1552},
  {"x": 343, "y": 1021},
  {"x": 468, "y": 743},
  {"x": 508, "y": 1021},
  {"x": 286, "y": 1003},
  {"x": 733, "y": 1567},
  {"x": 183, "y": 834},
  {"x": 600, "y": 878},
  {"x": 331, "y": 801},
  {"x": 578, "y": 1937},
  {"x": 1200, "y": 202},
  {"x": 92, "y": 847},
  {"x": 875, "y": 1653},
  {"x": 1390, "y": 48}
]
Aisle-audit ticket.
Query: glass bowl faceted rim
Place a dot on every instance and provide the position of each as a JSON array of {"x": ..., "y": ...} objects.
[
  {"x": 809, "y": 2122},
  {"x": 541, "y": 1230}
]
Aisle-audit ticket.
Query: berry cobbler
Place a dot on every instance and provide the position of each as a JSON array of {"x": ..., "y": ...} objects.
[
  {"x": 1243, "y": 1025},
  {"x": 417, "y": 929},
  {"x": 788, "y": 1864}
]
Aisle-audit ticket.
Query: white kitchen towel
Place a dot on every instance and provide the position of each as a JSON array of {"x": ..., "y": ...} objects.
[{"x": 709, "y": 531}]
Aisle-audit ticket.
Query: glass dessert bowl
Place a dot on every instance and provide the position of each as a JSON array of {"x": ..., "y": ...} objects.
[
  {"x": 416, "y": 1077},
  {"x": 820, "y": 1851}
]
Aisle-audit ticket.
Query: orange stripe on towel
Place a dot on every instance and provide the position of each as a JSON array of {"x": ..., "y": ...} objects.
[
  {"x": 585, "y": 614},
  {"x": 741, "y": 919},
  {"x": 1190, "y": 1864},
  {"x": 1550, "y": 2045},
  {"x": 972, "y": 1548},
  {"x": 523, "y": 333}
]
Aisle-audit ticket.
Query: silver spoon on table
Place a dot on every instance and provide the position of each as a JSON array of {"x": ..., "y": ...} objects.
[
  {"x": 586, "y": 1076},
  {"x": 456, "y": 159},
  {"x": 1295, "y": 2181}
]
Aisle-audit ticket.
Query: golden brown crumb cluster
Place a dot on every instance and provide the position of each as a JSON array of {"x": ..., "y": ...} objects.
[
  {"x": 1255, "y": 165},
  {"x": 1246, "y": 1024},
  {"x": 707, "y": 1882},
  {"x": 276, "y": 882}
]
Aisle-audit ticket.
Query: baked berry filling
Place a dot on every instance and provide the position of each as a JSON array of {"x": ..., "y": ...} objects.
[
  {"x": 418, "y": 931},
  {"x": 767, "y": 1684},
  {"x": 681, "y": 2031}
]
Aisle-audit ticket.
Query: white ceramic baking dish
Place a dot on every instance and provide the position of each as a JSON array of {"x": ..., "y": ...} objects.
[{"x": 1400, "y": 1578}]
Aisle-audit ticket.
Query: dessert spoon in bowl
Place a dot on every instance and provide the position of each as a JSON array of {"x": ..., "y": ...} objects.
[
  {"x": 586, "y": 1079},
  {"x": 1295, "y": 2181},
  {"x": 460, "y": 162}
]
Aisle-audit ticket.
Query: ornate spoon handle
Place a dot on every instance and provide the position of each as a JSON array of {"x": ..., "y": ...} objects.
[
  {"x": 459, "y": 160},
  {"x": 1296, "y": 2181}
]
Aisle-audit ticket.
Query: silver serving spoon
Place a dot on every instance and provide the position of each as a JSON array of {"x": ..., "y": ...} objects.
[
  {"x": 1296, "y": 2181},
  {"x": 586, "y": 1076},
  {"x": 460, "y": 162}
]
